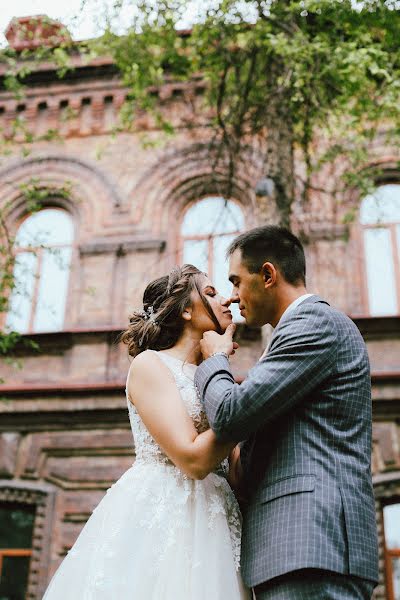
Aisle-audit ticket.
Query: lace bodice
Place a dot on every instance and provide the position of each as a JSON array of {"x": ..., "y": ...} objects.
[
  {"x": 147, "y": 449},
  {"x": 214, "y": 493}
]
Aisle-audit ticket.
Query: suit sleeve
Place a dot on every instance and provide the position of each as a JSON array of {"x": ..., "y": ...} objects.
[{"x": 301, "y": 357}]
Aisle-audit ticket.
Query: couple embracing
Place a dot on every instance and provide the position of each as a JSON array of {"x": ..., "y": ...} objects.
[{"x": 297, "y": 432}]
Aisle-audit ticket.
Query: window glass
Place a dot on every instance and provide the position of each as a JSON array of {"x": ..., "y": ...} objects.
[
  {"x": 49, "y": 227},
  {"x": 212, "y": 216},
  {"x": 16, "y": 529},
  {"x": 380, "y": 271},
  {"x": 38, "y": 300},
  {"x": 396, "y": 577},
  {"x": 380, "y": 218},
  {"x": 391, "y": 515},
  {"x": 14, "y": 577},
  {"x": 16, "y": 525},
  {"x": 207, "y": 229},
  {"x": 195, "y": 252},
  {"x": 53, "y": 288},
  {"x": 25, "y": 276},
  {"x": 398, "y": 242},
  {"x": 383, "y": 206}
]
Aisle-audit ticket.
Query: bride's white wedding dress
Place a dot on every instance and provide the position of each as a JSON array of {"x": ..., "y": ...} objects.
[{"x": 157, "y": 534}]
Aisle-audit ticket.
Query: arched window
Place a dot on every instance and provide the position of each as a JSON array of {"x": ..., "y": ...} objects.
[
  {"x": 43, "y": 249},
  {"x": 391, "y": 520},
  {"x": 207, "y": 229},
  {"x": 380, "y": 220},
  {"x": 16, "y": 528}
]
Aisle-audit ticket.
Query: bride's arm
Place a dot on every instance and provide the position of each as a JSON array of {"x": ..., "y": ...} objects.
[{"x": 152, "y": 389}]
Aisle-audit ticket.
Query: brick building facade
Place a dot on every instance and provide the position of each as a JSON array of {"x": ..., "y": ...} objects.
[{"x": 64, "y": 430}]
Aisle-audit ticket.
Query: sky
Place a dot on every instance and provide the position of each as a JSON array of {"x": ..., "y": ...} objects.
[{"x": 82, "y": 24}]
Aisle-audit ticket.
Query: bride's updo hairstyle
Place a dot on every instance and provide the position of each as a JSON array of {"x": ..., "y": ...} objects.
[{"x": 160, "y": 324}]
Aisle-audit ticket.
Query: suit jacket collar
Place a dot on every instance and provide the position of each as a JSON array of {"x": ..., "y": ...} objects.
[{"x": 314, "y": 299}]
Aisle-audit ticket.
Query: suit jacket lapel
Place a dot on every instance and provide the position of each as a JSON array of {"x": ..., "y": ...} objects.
[{"x": 248, "y": 445}]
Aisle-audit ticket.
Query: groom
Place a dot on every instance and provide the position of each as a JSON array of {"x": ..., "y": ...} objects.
[{"x": 304, "y": 410}]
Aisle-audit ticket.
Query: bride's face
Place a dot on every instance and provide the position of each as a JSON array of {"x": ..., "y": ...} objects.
[{"x": 200, "y": 319}]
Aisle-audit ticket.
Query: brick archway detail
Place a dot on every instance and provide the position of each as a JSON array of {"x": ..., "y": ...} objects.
[
  {"x": 88, "y": 188},
  {"x": 182, "y": 176}
]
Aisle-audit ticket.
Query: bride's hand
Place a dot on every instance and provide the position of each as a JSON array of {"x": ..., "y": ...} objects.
[{"x": 213, "y": 342}]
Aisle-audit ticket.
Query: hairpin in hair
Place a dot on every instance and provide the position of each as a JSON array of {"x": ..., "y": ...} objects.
[{"x": 148, "y": 313}]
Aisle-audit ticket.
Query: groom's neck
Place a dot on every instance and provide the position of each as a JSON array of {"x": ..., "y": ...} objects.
[{"x": 287, "y": 295}]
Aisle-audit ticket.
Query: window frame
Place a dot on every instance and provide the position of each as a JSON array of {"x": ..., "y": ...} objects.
[
  {"x": 395, "y": 247},
  {"x": 15, "y": 552},
  {"x": 209, "y": 238},
  {"x": 10, "y": 551},
  {"x": 39, "y": 252},
  {"x": 389, "y": 553},
  {"x": 42, "y": 497}
]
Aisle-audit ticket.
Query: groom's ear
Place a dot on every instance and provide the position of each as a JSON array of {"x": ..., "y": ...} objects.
[{"x": 269, "y": 274}]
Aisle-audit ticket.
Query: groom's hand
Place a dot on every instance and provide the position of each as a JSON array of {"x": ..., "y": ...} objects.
[{"x": 213, "y": 342}]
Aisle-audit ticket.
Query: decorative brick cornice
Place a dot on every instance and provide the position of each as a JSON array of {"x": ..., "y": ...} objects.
[
  {"x": 122, "y": 247},
  {"x": 390, "y": 483},
  {"x": 385, "y": 377},
  {"x": 87, "y": 101},
  {"x": 61, "y": 388},
  {"x": 314, "y": 232},
  {"x": 64, "y": 388},
  {"x": 69, "y": 418},
  {"x": 76, "y": 61},
  {"x": 59, "y": 341},
  {"x": 376, "y": 327}
]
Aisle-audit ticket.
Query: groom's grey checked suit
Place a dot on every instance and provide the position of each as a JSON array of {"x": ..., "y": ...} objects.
[{"x": 305, "y": 411}]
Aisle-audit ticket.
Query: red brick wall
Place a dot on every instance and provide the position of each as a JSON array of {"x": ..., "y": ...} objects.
[{"x": 64, "y": 424}]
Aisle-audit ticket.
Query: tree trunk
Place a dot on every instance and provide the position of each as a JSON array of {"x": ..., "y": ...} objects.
[{"x": 279, "y": 158}]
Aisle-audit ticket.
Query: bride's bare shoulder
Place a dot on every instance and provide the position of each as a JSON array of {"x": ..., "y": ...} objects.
[
  {"x": 144, "y": 361},
  {"x": 147, "y": 364},
  {"x": 147, "y": 374}
]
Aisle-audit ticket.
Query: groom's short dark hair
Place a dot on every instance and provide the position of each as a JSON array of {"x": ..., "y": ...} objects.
[{"x": 273, "y": 244}]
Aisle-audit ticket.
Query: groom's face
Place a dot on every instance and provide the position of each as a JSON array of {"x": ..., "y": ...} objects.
[{"x": 249, "y": 292}]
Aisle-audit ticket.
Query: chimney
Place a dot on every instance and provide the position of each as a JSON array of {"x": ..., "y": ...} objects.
[{"x": 29, "y": 33}]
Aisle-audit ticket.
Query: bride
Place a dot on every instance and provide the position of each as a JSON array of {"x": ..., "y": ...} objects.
[{"x": 169, "y": 528}]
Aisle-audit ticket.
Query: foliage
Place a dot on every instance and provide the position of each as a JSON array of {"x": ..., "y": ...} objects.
[
  {"x": 291, "y": 67},
  {"x": 298, "y": 67},
  {"x": 286, "y": 71}
]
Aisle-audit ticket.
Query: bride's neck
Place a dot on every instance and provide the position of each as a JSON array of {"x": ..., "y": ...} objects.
[{"x": 187, "y": 348}]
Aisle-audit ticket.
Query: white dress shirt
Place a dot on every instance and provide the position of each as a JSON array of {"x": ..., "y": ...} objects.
[{"x": 295, "y": 303}]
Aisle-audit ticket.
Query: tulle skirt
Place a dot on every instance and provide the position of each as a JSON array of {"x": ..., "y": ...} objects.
[{"x": 156, "y": 535}]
